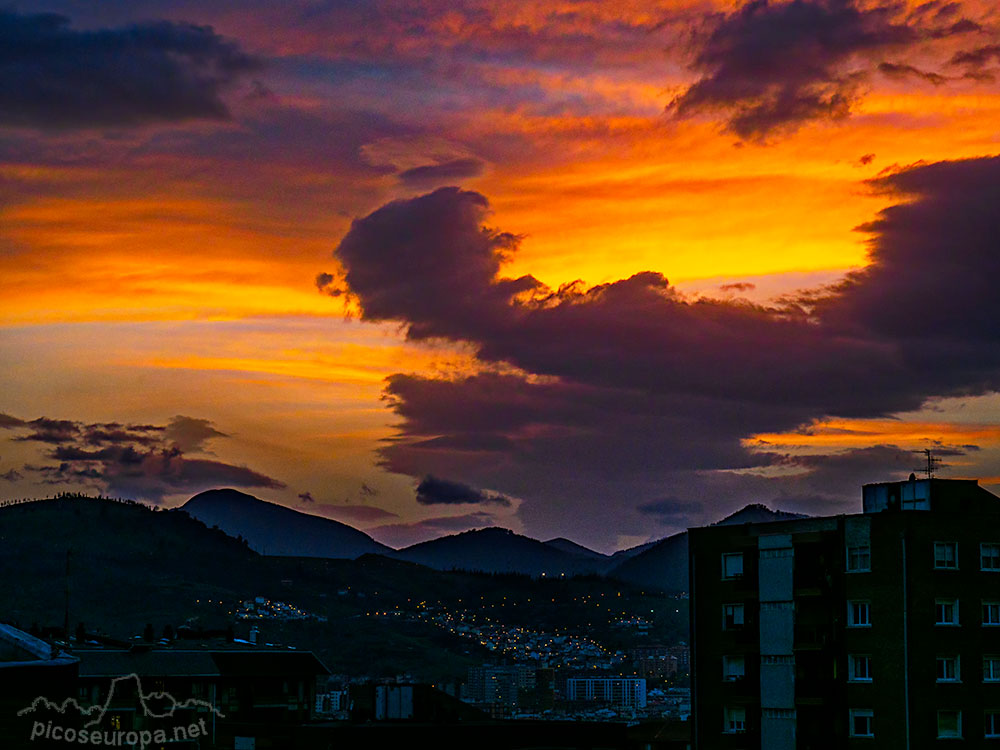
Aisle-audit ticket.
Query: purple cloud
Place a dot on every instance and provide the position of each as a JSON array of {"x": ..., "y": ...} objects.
[
  {"x": 53, "y": 76},
  {"x": 138, "y": 461},
  {"x": 628, "y": 391},
  {"x": 449, "y": 172},
  {"x": 435, "y": 491},
  {"x": 773, "y": 66}
]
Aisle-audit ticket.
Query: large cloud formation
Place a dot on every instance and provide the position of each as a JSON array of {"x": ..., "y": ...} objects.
[
  {"x": 132, "y": 460},
  {"x": 52, "y": 76},
  {"x": 616, "y": 395},
  {"x": 772, "y": 66}
]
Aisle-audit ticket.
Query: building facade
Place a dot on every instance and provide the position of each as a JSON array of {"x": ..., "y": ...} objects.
[
  {"x": 499, "y": 684},
  {"x": 880, "y": 629},
  {"x": 615, "y": 691}
]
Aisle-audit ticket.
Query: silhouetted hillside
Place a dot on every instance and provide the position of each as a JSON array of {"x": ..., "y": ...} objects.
[
  {"x": 130, "y": 565},
  {"x": 495, "y": 550},
  {"x": 124, "y": 557},
  {"x": 664, "y": 564},
  {"x": 273, "y": 529},
  {"x": 757, "y": 513},
  {"x": 572, "y": 548}
]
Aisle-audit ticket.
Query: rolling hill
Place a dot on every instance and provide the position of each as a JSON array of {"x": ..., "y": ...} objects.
[
  {"x": 496, "y": 550},
  {"x": 273, "y": 529}
]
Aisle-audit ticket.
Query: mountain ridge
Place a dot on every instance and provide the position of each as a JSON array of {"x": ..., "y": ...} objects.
[{"x": 274, "y": 529}]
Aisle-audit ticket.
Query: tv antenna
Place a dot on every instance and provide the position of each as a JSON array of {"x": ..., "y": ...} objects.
[{"x": 931, "y": 463}]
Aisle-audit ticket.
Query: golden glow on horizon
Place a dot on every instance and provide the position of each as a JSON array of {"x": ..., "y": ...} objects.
[
  {"x": 602, "y": 198},
  {"x": 859, "y": 433},
  {"x": 361, "y": 365}
]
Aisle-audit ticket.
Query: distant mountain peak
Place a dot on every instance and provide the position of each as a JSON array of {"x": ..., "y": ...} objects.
[
  {"x": 224, "y": 493},
  {"x": 494, "y": 549},
  {"x": 491, "y": 530},
  {"x": 757, "y": 513},
  {"x": 275, "y": 529},
  {"x": 573, "y": 548}
]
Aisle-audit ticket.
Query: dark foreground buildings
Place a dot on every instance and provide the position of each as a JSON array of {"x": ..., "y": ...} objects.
[{"x": 880, "y": 629}]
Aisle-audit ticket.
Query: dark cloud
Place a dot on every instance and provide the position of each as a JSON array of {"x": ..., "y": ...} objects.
[
  {"x": 930, "y": 285},
  {"x": 435, "y": 491},
  {"x": 772, "y": 66},
  {"x": 138, "y": 461},
  {"x": 60, "y": 431},
  {"x": 431, "y": 262},
  {"x": 670, "y": 510},
  {"x": 977, "y": 58},
  {"x": 738, "y": 286},
  {"x": 328, "y": 283},
  {"x": 865, "y": 159},
  {"x": 450, "y": 172},
  {"x": 12, "y": 475},
  {"x": 902, "y": 70},
  {"x": 166, "y": 472},
  {"x": 306, "y": 497},
  {"x": 54, "y": 76},
  {"x": 599, "y": 399},
  {"x": 116, "y": 433},
  {"x": 45, "y": 430},
  {"x": 190, "y": 433}
]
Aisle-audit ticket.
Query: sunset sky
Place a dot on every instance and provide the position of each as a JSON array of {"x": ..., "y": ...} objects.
[{"x": 586, "y": 269}]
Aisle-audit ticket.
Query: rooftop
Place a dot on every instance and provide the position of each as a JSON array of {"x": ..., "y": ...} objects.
[{"x": 168, "y": 662}]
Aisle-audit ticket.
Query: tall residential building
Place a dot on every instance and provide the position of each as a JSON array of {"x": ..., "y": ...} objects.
[
  {"x": 615, "y": 691},
  {"x": 880, "y": 629},
  {"x": 500, "y": 684}
]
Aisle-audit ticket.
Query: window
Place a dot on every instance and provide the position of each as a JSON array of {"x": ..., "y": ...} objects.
[
  {"x": 775, "y": 554},
  {"x": 992, "y": 723},
  {"x": 859, "y": 668},
  {"x": 991, "y": 613},
  {"x": 946, "y": 555},
  {"x": 862, "y": 722},
  {"x": 859, "y": 614},
  {"x": 736, "y": 720},
  {"x": 946, "y": 612},
  {"x": 949, "y": 723},
  {"x": 859, "y": 559},
  {"x": 991, "y": 668},
  {"x": 733, "y": 668},
  {"x": 777, "y": 713},
  {"x": 989, "y": 557},
  {"x": 947, "y": 669},
  {"x": 770, "y": 659},
  {"x": 732, "y": 565},
  {"x": 732, "y": 616}
]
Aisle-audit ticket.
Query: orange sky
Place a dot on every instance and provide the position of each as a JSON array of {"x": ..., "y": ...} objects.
[{"x": 163, "y": 270}]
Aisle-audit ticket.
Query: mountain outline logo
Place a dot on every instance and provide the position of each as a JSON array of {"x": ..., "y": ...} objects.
[{"x": 101, "y": 709}]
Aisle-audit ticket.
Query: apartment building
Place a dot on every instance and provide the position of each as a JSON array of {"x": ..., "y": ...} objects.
[
  {"x": 615, "y": 691},
  {"x": 880, "y": 629}
]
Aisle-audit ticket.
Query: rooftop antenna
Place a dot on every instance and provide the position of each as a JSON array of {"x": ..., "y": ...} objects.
[{"x": 932, "y": 463}]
